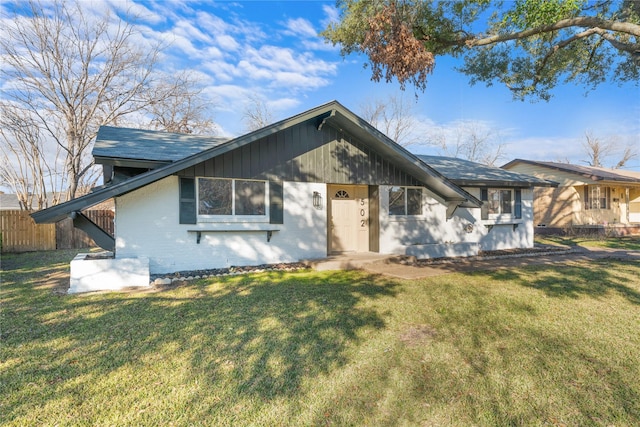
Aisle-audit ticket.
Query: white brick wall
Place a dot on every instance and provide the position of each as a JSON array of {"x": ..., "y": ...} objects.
[
  {"x": 147, "y": 224},
  {"x": 397, "y": 233},
  {"x": 504, "y": 236}
]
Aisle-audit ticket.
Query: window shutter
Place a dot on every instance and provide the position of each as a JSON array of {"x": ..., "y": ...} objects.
[
  {"x": 188, "y": 213},
  {"x": 484, "y": 209},
  {"x": 276, "y": 203},
  {"x": 518, "y": 206}
]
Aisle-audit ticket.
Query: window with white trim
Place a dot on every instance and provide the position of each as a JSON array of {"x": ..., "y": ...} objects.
[
  {"x": 405, "y": 201},
  {"x": 218, "y": 197},
  {"x": 597, "y": 197},
  {"x": 501, "y": 203}
]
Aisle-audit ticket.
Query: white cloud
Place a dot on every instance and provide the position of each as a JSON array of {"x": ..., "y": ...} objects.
[
  {"x": 227, "y": 42},
  {"x": 320, "y": 45},
  {"x": 140, "y": 12},
  {"x": 220, "y": 70},
  {"x": 550, "y": 149},
  {"x": 300, "y": 27},
  {"x": 186, "y": 29},
  {"x": 332, "y": 15}
]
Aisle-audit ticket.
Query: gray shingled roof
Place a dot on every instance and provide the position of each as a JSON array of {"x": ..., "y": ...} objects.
[
  {"x": 590, "y": 172},
  {"x": 149, "y": 145},
  {"x": 465, "y": 172},
  {"x": 9, "y": 201}
]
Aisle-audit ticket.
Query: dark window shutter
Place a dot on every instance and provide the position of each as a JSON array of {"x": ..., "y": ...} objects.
[
  {"x": 518, "y": 206},
  {"x": 484, "y": 209},
  {"x": 188, "y": 212},
  {"x": 276, "y": 203}
]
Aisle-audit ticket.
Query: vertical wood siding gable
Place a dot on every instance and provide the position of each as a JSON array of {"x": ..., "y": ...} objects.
[{"x": 304, "y": 154}]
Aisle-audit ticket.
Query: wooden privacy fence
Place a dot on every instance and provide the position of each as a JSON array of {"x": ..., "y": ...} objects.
[
  {"x": 68, "y": 237},
  {"x": 21, "y": 234}
]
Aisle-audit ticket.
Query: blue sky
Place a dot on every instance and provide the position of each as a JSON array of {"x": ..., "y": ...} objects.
[{"x": 271, "y": 50}]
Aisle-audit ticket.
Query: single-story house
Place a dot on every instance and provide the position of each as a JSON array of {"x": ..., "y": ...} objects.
[
  {"x": 322, "y": 182},
  {"x": 585, "y": 197}
]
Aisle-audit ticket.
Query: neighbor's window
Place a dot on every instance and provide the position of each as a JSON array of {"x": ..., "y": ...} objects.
[
  {"x": 218, "y": 196},
  {"x": 405, "y": 201},
  {"x": 597, "y": 197}
]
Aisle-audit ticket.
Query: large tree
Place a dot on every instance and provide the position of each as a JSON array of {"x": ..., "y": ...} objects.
[
  {"x": 25, "y": 165},
  {"x": 529, "y": 45},
  {"x": 71, "y": 70}
]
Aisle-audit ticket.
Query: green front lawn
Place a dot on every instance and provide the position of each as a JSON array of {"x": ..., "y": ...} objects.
[
  {"x": 550, "y": 345},
  {"x": 631, "y": 243}
]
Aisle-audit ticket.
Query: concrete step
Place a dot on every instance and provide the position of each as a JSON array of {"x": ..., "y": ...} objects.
[{"x": 347, "y": 261}]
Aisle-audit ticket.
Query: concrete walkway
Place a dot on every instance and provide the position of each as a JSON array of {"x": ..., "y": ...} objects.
[{"x": 394, "y": 266}]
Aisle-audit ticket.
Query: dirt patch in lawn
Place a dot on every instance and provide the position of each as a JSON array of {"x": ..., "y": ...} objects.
[{"x": 416, "y": 335}]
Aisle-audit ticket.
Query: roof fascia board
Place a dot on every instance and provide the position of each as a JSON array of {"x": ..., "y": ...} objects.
[
  {"x": 494, "y": 183},
  {"x": 592, "y": 175}
]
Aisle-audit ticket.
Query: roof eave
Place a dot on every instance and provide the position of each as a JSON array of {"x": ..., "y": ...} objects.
[
  {"x": 502, "y": 183},
  {"x": 592, "y": 176},
  {"x": 129, "y": 163}
]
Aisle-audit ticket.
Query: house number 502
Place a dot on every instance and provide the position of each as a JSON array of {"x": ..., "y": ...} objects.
[{"x": 363, "y": 223}]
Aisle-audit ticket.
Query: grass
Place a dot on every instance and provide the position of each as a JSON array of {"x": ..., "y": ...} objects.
[
  {"x": 631, "y": 243},
  {"x": 550, "y": 345}
]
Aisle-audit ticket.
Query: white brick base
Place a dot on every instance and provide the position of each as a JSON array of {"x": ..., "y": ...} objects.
[{"x": 107, "y": 274}]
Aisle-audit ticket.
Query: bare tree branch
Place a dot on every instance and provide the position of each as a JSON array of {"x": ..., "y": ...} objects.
[
  {"x": 392, "y": 116},
  {"x": 75, "y": 72},
  {"x": 256, "y": 113}
]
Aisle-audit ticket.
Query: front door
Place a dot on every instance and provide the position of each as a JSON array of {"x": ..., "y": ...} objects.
[{"x": 348, "y": 218}]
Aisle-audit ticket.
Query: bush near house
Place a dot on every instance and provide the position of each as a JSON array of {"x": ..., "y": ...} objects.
[{"x": 552, "y": 345}]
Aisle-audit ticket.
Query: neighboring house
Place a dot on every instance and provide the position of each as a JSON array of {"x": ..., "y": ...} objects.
[
  {"x": 318, "y": 183},
  {"x": 10, "y": 201},
  {"x": 586, "y": 196}
]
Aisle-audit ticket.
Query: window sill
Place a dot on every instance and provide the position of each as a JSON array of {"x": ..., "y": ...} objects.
[
  {"x": 406, "y": 218},
  {"x": 233, "y": 228},
  {"x": 499, "y": 221},
  {"x": 490, "y": 223},
  {"x": 232, "y": 220}
]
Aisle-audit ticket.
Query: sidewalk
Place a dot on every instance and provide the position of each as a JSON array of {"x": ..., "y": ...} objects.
[{"x": 420, "y": 270}]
